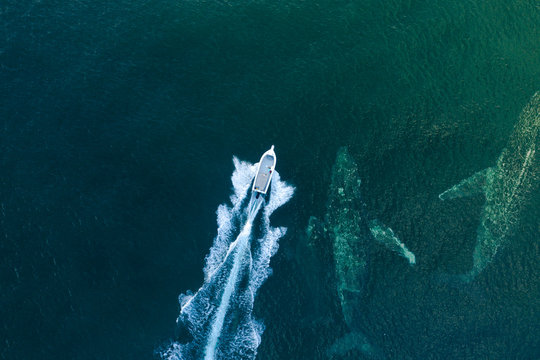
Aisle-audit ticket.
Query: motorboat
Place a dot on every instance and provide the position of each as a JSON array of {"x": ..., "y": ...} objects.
[{"x": 264, "y": 173}]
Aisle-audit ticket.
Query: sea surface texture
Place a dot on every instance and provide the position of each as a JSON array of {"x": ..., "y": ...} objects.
[{"x": 409, "y": 130}]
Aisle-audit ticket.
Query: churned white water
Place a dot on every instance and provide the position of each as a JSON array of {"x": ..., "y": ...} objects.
[{"x": 218, "y": 316}]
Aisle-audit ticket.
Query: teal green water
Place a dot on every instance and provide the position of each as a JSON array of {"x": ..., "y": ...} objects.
[{"x": 118, "y": 122}]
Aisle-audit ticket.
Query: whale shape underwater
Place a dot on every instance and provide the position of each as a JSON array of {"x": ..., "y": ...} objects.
[
  {"x": 507, "y": 186},
  {"x": 351, "y": 235}
]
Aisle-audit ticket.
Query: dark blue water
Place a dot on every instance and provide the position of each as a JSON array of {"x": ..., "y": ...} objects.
[{"x": 118, "y": 123}]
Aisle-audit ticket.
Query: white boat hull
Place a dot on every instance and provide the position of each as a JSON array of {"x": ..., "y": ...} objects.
[{"x": 265, "y": 170}]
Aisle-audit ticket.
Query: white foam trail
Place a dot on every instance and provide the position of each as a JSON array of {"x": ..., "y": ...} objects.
[
  {"x": 280, "y": 194},
  {"x": 241, "y": 180},
  {"x": 219, "y": 315},
  {"x": 241, "y": 243}
]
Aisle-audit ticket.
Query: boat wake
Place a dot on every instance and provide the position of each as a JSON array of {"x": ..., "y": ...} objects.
[{"x": 218, "y": 317}]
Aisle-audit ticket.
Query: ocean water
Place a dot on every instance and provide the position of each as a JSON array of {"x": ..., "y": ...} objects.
[{"x": 119, "y": 122}]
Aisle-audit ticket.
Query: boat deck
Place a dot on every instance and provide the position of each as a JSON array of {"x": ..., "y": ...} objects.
[{"x": 264, "y": 175}]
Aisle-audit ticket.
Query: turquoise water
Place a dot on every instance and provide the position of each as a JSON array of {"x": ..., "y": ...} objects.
[{"x": 119, "y": 121}]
